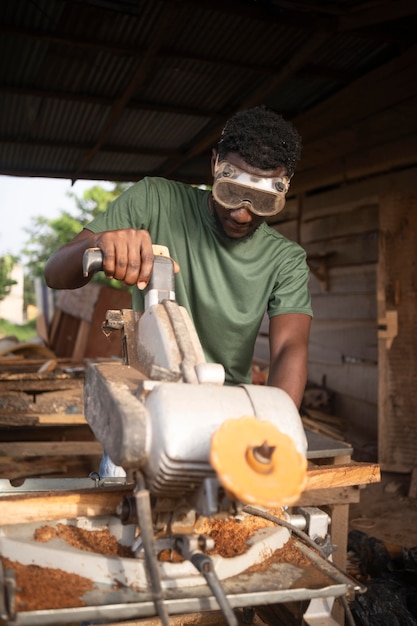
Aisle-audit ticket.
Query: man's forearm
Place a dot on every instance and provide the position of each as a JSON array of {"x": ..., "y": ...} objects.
[
  {"x": 64, "y": 268},
  {"x": 289, "y": 372}
]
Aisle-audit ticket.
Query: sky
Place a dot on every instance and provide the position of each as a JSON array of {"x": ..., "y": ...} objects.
[{"x": 24, "y": 198}]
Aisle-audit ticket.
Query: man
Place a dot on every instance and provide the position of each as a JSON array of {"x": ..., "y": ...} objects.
[{"x": 233, "y": 266}]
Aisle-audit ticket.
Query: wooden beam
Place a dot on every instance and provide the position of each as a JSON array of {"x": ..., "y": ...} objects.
[
  {"x": 50, "y": 448},
  {"x": 20, "y": 418},
  {"x": 30, "y": 507},
  {"x": 344, "y": 475},
  {"x": 34, "y": 507}
]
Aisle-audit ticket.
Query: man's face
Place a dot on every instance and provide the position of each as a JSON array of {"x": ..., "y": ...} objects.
[{"x": 240, "y": 222}]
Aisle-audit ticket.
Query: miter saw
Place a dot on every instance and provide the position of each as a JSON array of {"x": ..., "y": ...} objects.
[{"x": 193, "y": 449}]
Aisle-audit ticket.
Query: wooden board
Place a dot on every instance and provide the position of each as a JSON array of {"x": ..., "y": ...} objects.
[
  {"x": 343, "y": 475},
  {"x": 361, "y": 220},
  {"x": 397, "y": 427},
  {"x": 16, "y": 449},
  {"x": 25, "y": 508}
]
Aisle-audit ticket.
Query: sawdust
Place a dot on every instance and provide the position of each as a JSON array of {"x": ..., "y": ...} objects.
[
  {"x": 40, "y": 588},
  {"x": 170, "y": 556},
  {"x": 289, "y": 553},
  {"x": 231, "y": 535},
  {"x": 99, "y": 541}
]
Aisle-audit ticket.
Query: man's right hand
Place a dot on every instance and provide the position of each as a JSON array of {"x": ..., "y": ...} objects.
[{"x": 127, "y": 256}]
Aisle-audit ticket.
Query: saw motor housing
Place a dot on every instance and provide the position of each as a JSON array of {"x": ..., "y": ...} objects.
[{"x": 158, "y": 411}]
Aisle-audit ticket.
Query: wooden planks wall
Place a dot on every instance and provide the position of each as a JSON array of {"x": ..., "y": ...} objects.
[
  {"x": 360, "y": 241},
  {"x": 76, "y": 331},
  {"x": 340, "y": 234},
  {"x": 341, "y": 241},
  {"x": 397, "y": 296}
]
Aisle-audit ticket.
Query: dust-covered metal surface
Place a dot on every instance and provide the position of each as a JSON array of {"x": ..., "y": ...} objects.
[{"x": 111, "y": 599}]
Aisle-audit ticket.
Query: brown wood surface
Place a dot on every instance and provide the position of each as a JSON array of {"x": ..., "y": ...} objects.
[
  {"x": 343, "y": 475},
  {"x": 15, "y": 449},
  {"x": 32, "y": 419},
  {"x": 31, "y": 507},
  {"x": 397, "y": 398}
]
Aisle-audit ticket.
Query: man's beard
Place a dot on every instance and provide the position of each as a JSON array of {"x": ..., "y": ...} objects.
[{"x": 222, "y": 232}]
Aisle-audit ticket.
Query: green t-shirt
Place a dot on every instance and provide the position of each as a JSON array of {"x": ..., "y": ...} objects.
[{"x": 225, "y": 284}]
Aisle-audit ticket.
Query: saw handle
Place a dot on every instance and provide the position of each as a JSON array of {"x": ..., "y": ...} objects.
[
  {"x": 161, "y": 284},
  {"x": 92, "y": 261},
  {"x": 93, "y": 258}
]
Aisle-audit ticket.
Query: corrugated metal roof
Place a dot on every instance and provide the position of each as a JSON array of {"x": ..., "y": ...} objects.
[{"x": 118, "y": 90}]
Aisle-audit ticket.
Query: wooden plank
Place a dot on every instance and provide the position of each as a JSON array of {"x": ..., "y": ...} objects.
[
  {"x": 390, "y": 81},
  {"x": 50, "y": 448},
  {"x": 80, "y": 302},
  {"x": 61, "y": 419},
  {"x": 33, "y": 419},
  {"x": 98, "y": 344},
  {"x": 324, "y": 429},
  {"x": 362, "y": 423},
  {"x": 354, "y": 194},
  {"x": 363, "y": 219},
  {"x": 356, "y": 164},
  {"x": 348, "y": 279},
  {"x": 32, "y": 507},
  {"x": 348, "y": 250},
  {"x": 288, "y": 229},
  {"x": 211, "y": 618},
  {"x": 65, "y": 335},
  {"x": 59, "y": 505},
  {"x": 290, "y": 212},
  {"x": 322, "y": 497},
  {"x": 40, "y": 385},
  {"x": 26, "y": 468},
  {"x": 24, "y": 366},
  {"x": 81, "y": 341},
  {"x": 54, "y": 326},
  {"x": 343, "y": 475},
  {"x": 412, "y": 490},
  {"x": 340, "y": 341},
  {"x": 339, "y": 528},
  {"x": 357, "y": 380},
  {"x": 348, "y": 306},
  {"x": 397, "y": 427}
]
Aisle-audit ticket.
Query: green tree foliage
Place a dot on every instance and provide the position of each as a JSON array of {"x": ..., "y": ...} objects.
[
  {"x": 7, "y": 263},
  {"x": 47, "y": 235}
]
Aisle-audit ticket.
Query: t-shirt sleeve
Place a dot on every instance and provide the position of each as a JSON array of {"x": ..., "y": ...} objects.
[
  {"x": 291, "y": 292},
  {"x": 130, "y": 210}
]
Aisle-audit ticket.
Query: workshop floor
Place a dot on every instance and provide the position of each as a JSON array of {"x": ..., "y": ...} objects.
[{"x": 386, "y": 511}]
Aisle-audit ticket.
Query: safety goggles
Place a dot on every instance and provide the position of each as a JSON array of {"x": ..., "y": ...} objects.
[{"x": 233, "y": 188}]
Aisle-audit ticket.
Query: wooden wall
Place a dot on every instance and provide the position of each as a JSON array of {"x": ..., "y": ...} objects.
[
  {"x": 397, "y": 304},
  {"x": 346, "y": 232},
  {"x": 341, "y": 241},
  {"x": 76, "y": 327}
]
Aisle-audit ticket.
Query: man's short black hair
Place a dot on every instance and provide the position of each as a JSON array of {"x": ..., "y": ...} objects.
[{"x": 262, "y": 138}]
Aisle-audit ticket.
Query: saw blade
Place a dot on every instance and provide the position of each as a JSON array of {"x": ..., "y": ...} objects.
[{"x": 258, "y": 463}]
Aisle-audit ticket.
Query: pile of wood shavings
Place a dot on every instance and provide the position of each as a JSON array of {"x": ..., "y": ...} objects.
[
  {"x": 289, "y": 553},
  {"x": 231, "y": 535},
  {"x": 99, "y": 541},
  {"x": 39, "y": 588}
]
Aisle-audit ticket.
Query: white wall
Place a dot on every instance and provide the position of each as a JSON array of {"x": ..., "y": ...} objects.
[{"x": 11, "y": 308}]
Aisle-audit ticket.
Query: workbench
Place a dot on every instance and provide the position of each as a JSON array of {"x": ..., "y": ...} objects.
[
  {"x": 333, "y": 483},
  {"x": 326, "y": 491}
]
